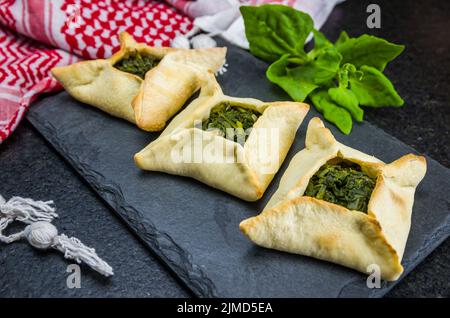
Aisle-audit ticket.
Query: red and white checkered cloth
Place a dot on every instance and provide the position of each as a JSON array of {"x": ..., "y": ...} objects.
[{"x": 36, "y": 35}]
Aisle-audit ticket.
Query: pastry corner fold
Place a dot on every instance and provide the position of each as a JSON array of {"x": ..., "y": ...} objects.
[{"x": 167, "y": 87}]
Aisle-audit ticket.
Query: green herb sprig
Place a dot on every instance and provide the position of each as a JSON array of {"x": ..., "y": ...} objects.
[
  {"x": 233, "y": 122},
  {"x": 337, "y": 77},
  {"x": 137, "y": 64},
  {"x": 344, "y": 184}
]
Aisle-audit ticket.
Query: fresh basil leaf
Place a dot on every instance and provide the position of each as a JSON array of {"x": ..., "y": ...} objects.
[
  {"x": 275, "y": 30},
  {"x": 297, "y": 88},
  {"x": 320, "y": 40},
  {"x": 374, "y": 89},
  {"x": 346, "y": 99},
  {"x": 320, "y": 70},
  {"x": 343, "y": 37},
  {"x": 299, "y": 81},
  {"x": 337, "y": 78},
  {"x": 369, "y": 50},
  {"x": 332, "y": 112},
  {"x": 320, "y": 43}
]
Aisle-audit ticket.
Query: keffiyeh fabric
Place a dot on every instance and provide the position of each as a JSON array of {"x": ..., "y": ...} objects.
[{"x": 36, "y": 35}]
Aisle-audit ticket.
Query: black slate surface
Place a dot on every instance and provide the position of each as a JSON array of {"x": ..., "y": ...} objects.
[
  {"x": 30, "y": 167},
  {"x": 194, "y": 228}
]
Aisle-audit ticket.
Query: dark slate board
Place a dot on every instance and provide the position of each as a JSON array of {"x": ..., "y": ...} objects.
[{"x": 194, "y": 228}]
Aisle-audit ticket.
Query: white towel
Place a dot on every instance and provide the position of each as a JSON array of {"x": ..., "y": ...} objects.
[{"x": 222, "y": 17}]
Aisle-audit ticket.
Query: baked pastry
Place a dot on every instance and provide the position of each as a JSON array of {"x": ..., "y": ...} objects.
[
  {"x": 338, "y": 204},
  {"x": 142, "y": 84},
  {"x": 232, "y": 144}
]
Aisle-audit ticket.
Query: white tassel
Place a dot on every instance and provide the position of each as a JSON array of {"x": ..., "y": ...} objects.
[
  {"x": 27, "y": 210},
  {"x": 180, "y": 42},
  {"x": 42, "y": 234},
  {"x": 74, "y": 249},
  {"x": 203, "y": 41}
]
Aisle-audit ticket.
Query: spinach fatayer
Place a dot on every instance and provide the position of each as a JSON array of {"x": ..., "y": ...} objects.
[
  {"x": 338, "y": 204},
  {"x": 221, "y": 151}
]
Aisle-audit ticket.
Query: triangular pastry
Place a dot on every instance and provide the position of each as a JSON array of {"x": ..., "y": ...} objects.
[
  {"x": 241, "y": 164},
  {"x": 142, "y": 84},
  {"x": 299, "y": 217}
]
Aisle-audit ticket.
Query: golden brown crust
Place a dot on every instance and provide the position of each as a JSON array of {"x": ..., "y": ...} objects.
[
  {"x": 318, "y": 135},
  {"x": 92, "y": 82},
  {"x": 360, "y": 245},
  {"x": 294, "y": 223}
]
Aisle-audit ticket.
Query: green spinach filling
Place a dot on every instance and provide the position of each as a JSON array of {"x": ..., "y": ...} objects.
[
  {"x": 137, "y": 64},
  {"x": 343, "y": 183},
  {"x": 233, "y": 122}
]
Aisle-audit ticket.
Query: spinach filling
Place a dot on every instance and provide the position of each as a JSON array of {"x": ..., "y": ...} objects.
[
  {"x": 343, "y": 183},
  {"x": 233, "y": 122},
  {"x": 137, "y": 64}
]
